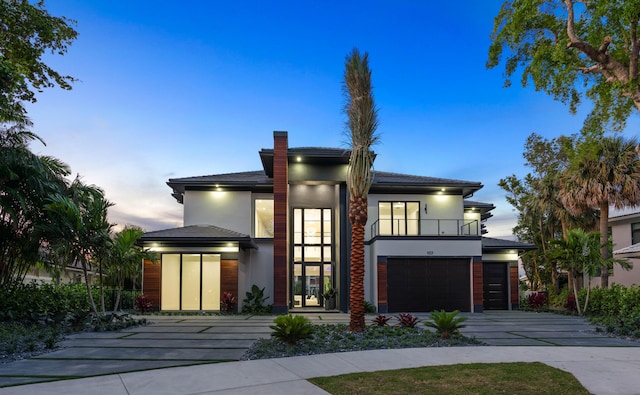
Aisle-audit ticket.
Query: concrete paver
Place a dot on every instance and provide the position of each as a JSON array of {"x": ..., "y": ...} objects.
[{"x": 188, "y": 346}]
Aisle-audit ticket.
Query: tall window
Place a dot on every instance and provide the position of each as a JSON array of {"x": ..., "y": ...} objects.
[
  {"x": 635, "y": 233},
  {"x": 190, "y": 282},
  {"x": 263, "y": 224},
  {"x": 399, "y": 218}
]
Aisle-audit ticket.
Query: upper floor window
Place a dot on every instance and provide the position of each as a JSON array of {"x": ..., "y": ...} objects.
[
  {"x": 635, "y": 233},
  {"x": 399, "y": 218},
  {"x": 263, "y": 226}
]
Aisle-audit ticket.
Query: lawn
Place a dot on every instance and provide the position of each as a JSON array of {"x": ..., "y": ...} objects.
[{"x": 498, "y": 378}]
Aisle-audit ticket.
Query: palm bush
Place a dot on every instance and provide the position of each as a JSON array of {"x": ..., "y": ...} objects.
[
  {"x": 291, "y": 329},
  {"x": 446, "y": 324}
]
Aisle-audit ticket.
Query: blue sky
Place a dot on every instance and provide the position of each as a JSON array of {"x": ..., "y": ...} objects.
[{"x": 185, "y": 88}]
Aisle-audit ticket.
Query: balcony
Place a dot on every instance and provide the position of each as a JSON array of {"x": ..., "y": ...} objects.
[{"x": 425, "y": 227}]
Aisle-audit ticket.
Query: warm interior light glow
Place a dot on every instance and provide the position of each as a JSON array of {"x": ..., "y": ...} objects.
[{"x": 298, "y": 158}]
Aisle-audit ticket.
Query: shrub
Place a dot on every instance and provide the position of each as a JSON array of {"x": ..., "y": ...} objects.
[
  {"x": 254, "y": 302},
  {"x": 381, "y": 320},
  {"x": 369, "y": 307},
  {"x": 143, "y": 304},
  {"x": 408, "y": 320},
  {"x": 571, "y": 303},
  {"x": 228, "y": 302},
  {"x": 291, "y": 329},
  {"x": 537, "y": 300},
  {"x": 446, "y": 324}
]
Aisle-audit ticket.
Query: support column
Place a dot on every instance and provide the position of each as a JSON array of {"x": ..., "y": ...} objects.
[
  {"x": 280, "y": 221},
  {"x": 478, "y": 285}
]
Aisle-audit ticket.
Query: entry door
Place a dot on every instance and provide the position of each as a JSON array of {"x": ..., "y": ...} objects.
[
  {"x": 495, "y": 285},
  {"x": 312, "y": 266}
]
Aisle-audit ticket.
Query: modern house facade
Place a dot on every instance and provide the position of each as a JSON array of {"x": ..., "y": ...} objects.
[{"x": 286, "y": 228}]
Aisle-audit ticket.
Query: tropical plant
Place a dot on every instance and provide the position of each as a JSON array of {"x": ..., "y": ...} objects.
[
  {"x": 407, "y": 320},
  {"x": 26, "y": 182},
  {"x": 329, "y": 293},
  {"x": 369, "y": 307},
  {"x": 537, "y": 300},
  {"x": 228, "y": 302},
  {"x": 254, "y": 302},
  {"x": 381, "y": 320},
  {"x": 291, "y": 329},
  {"x": 124, "y": 259},
  {"x": 79, "y": 227},
  {"x": 28, "y": 33},
  {"x": 571, "y": 51},
  {"x": 143, "y": 304},
  {"x": 362, "y": 121},
  {"x": 446, "y": 324},
  {"x": 579, "y": 254},
  {"x": 604, "y": 171}
]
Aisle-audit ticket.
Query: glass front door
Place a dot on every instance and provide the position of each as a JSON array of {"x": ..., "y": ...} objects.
[{"x": 312, "y": 251}]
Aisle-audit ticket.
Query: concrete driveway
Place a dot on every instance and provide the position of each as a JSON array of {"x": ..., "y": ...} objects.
[{"x": 192, "y": 340}]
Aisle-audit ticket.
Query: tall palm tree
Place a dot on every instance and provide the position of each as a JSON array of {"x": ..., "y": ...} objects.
[
  {"x": 80, "y": 229},
  {"x": 605, "y": 172},
  {"x": 125, "y": 259},
  {"x": 578, "y": 253},
  {"x": 362, "y": 122},
  {"x": 26, "y": 181}
]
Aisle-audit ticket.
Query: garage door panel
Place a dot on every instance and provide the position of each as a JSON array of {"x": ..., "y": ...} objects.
[{"x": 421, "y": 285}]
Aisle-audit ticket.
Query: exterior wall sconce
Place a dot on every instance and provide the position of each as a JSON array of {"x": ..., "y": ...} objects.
[{"x": 426, "y": 211}]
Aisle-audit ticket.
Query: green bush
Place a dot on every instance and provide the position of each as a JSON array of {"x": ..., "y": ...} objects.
[
  {"x": 254, "y": 303},
  {"x": 446, "y": 324},
  {"x": 291, "y": 329},
  {"x": 43, "y": 304},
  {"x": 616, "y": 308}
]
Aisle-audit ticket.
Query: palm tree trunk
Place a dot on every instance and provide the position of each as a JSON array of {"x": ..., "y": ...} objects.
[
  {"x": 86, "y": 283},
  {"x": 604, "y": 242},
  {"x": 575, "y": 292},
  {"x": 358, "y": 218}
]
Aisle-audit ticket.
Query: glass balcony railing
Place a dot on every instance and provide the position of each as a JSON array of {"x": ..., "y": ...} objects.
[{"x": 425, "y": 227}]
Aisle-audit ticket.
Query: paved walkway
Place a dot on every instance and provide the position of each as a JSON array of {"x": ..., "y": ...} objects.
[{"x": 190, "y": 340}]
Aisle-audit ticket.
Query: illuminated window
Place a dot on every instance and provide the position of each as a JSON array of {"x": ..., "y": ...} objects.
[
  {"x": 263, "y": 218},
  {"x": 190, "y": 282},
  {"x": 399, "y": 218}
]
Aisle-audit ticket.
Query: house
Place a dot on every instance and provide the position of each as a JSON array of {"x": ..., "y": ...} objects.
[
  {"x": 625, "y": 233},
  {"x": 286, "y": 228}
]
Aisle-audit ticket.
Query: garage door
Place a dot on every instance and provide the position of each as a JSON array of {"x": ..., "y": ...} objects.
[
  {"x": 422, "y": 284},
  {"x": 495, "y": 286}
]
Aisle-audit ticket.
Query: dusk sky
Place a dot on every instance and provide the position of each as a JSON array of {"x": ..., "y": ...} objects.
[{"x": 186, "y": 88}]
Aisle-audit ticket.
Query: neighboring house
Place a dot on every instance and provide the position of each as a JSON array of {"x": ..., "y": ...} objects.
[
  {"x": 286, "y": 228},
  {"x": 625, "y": 232}
]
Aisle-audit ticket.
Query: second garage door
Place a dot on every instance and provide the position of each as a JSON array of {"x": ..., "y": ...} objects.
[{"x": 427, "y": 284}]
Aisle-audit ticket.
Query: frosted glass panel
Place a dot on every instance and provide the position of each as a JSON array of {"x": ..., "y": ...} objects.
[
  {"x": 191, "y": 282},
  {"x": 312, "y": 254},
  {"x": 170, "y": 282},
  {"x": 210, "y": 282}
]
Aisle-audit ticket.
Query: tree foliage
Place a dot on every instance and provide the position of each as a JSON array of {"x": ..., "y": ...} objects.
[
  {"x": 571, "y": 49},
  {"x": 27, "y": 33},
  {"x": 603, "y": 171},
  {"x": 26, "y": 182},
  {"x": 362, "y": 121}
]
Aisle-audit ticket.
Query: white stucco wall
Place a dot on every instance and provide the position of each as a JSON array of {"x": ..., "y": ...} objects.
[
  {"x": 225, "y": 209},
  {"x": 621, "y": 234},
  {"x": 257, "y": 268},
  {"x": 428, "y": 248}
]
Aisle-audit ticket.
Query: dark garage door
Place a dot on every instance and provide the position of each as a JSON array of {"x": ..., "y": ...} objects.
[
  {"x": 423, "y": 284},
  {"x": 495, "y": 286}
]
